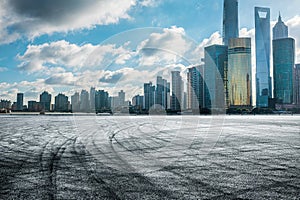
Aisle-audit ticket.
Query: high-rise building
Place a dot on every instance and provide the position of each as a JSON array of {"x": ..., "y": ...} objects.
[
  {"x": 195, "y": 87},
  {"x": 215, "y": 76},
  {"x": 45, "y": 101},
  {"x": 20, "y": 98},
  {"x": 239, "y": 72},
  {"x": 75, "y": 102},
  {"x": 283, "y": 65},
  {"x": 161, "y": 92},
  {"x": 34, "y": 106},
  {"x": 5, "y": 104},
  {"x": 297, "y": 85},
  {"x": 263, "y": 45},
  {"x": 138, "y": 102},
  {"x": 149, "y": 95},
  {"x": 61, "y": 103},
  {"x": 101, "y": 101},
  {"x": 84, "y": 101},
  {"x": 280, "y": 30},
  {"x": 92, "y": 99},
  {"x": 121, "y": 96},
  {"x": 177, "y": 91},
  {"x": 230, "y": 20}
]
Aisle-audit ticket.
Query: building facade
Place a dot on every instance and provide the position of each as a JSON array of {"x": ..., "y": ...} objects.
[
  {"x": 230, "y": 20},
  {"x": 149, "y": 95},
  {"x": 283, "y": 65},
  {"x": 177, "y": 91},
  {"x": 263, "y": 45},
  {"x": 215, "y": 76},
  {"x": 280, "y": 30},
  {"x": 20, "y": 99},
  {"x": 195, "y": 87},
  {"x": 75, "y": 101},
  {"x": 239, "y": 72},
  {"x": 297, "y": 85},
  {"x": 45, "y": 101},
  {"x": 84, "y": 101},
  {"x": 102, "y": 103},
  {"x": 61, "y": 103}
]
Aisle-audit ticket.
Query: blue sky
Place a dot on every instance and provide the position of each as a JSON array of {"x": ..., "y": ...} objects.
[{"x": 66, "y": 46}]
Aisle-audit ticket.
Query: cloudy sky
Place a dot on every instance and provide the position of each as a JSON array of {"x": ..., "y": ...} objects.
[{"x": 69, "y": 45}]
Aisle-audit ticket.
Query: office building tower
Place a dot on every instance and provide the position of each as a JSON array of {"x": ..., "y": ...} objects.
[
  {"x": 177, "y": 91},
  {"x": 102, "y": 103},
  {"x": 92, "y": 99},
  {"x": 84, "y": 101},
  {"x": 20, "y": 98},
  {"x": 195, "y": 87},
  {"x": 215, "y": 77},
  {"x": 61, "y": 103},
  {"x": 34, "y": 106},
  {"x": 230, "y": 20},
  {"x": 239, "y": 72},
  {"x": 149, "y": 95},
  {"x": 121, "y": 96},
  {"x": 75, "y": 101},
  {"x": 138, "y": 102},
  {"x": 5, "y": 104},
  {"x": 161, "y": 92},
  {"x": 262, "y": 43},
  {"x": 45, "y": 101},
  {"x": 280, "y": 30},
  {"x": 297, "y": 85},
  {"x": 283, "y": 65}
]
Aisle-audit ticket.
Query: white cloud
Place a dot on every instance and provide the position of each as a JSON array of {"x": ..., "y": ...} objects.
[
  {"x": 31, "y": 18},
  {"x": 294, "y": 31},
  {"x": 43, "y": 58}
]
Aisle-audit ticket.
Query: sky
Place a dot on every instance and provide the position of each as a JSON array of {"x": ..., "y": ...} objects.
[{"x": 63, "y": 46}]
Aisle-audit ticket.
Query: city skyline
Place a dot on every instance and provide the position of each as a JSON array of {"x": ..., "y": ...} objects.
[{"x": 28, "y": 65}]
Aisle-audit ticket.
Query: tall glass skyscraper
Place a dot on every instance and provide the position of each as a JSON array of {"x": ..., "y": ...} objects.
[
  {"x": 45, "y": 101},
  {"x": 239, "y": 72},
  {"x": 230, "y": 20},
  {"x": 297, "y": 84},
  {"x": 195, "y": 87},
  {"x": 177, "y": 91},
  {"x": 215, "y": 58},
  {"x": 283, "y": 63},
  {"x": 20, "y": 97},
  {"x": 280, "y": 30},
  {"x": 262, "y": 43}
]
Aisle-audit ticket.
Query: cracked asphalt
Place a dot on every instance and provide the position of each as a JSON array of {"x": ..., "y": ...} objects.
[{"x": 149, "y": 157}]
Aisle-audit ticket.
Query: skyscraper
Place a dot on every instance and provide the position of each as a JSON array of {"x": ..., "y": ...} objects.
[
  {"x": 215, "y": 58},
  {"x": 101, "y": 101},
  {"x": 92, "y": 99},
  {"x": 84, "y": 101},
  {"x": 121, "y": 96},
  {"x": 297, "y": 85},
  {"x": 61, "y": 103},
  {"x": 195, "y": 87},
  {"x": 230, "y": 20},
  {"x": 75, "y": 102},
  {"x": 177, "y": 91},
  {"x": 262, "y": 43},
  {"x": 149, "y": 95},
  {"x": 239, "y": 72},
  {"x": 280, "y": 30},
  {"x": 283, "y": 63},
  {"x": 45, "y": 101},
  {"x": 161, "y": 92},
  {"x": 20, "y": 98}
]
